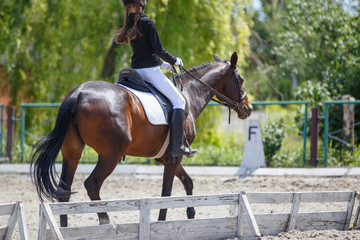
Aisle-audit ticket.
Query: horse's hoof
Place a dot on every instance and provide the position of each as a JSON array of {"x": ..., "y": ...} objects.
[
  {"x": 104, "y": 221},
  {"x": 190, "y": 213},
  {"x": 103, "y": 218}
]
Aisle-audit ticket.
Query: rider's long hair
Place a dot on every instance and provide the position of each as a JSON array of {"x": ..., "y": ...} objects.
[{"x": 125, "y": 33}]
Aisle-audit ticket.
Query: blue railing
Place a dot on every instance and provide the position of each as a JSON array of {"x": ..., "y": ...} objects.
[
  {"x": 327, "y": 135},
  {"x": 32, "y": 105},
  {"x": 22, "y": 131}
]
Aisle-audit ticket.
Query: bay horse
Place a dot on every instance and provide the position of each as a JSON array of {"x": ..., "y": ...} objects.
[{"x": 111, "y": 120}]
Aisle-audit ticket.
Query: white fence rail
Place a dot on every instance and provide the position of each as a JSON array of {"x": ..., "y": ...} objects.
[
  {"x": 16, "y": 214},
  {"x": 240, "y": 223}
]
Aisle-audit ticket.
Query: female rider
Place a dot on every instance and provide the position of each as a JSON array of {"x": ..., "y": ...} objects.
[{"x": 146, "y": 59}]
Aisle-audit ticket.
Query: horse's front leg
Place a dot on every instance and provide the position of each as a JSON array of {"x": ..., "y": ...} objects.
[
  {"x": 168, "y": 179},
  {"x": 188, "y": 186}
]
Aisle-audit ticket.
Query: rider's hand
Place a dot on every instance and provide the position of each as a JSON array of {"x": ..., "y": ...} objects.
[
  {"x": 167, "y": 66},
  {"x": 179, "y": 62}
]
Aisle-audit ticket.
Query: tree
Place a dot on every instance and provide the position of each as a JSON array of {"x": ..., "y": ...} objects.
[
  {"x": 313, "y": 44},
  {"x": 50, "y": 47},
  {"x": 55, "y": 45},
  {"x": 298, "y": 41}
]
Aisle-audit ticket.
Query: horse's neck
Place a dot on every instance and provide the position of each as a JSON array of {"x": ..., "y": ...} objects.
[{"x": 198, "y": 94}]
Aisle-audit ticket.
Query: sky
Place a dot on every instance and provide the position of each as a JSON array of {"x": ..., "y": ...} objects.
[{"x": 348, "y": 5}]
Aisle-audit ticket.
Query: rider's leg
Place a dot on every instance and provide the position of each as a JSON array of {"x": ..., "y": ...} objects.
[
  {"x": 155, "y": 76},
  {"x": 176, "y": 134},
  {"x": 165, "y": 86}
]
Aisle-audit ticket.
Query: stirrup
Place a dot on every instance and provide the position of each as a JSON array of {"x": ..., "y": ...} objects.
[
  {"x": 184, "y": 151},
  {"x": 192, "y": 152},
  {"x": 171, "y": 158}
]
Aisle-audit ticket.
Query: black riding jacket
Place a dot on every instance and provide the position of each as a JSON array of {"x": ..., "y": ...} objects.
[{"x": 147, "y": 50}]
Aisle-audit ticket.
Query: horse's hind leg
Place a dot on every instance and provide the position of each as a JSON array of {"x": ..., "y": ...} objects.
[
  {"x": 71, "y": 150},
  {"x": 188, "y": 186},
  {"x": 104, "y": 167}
]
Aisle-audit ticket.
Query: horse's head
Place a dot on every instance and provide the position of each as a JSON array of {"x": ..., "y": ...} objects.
[{"x": 232, "y": 88}]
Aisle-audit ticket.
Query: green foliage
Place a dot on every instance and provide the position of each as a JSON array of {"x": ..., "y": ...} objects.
[
  {"x": 287, "y": 159},
  {"x": 54, "y": 46},
  {"x": 315, "y": 94},
  {"x": 319, "y": 36},
  {"x": 344, "y": 157},
  {"x": 49, "y": 47},
  {"x": 306, "y": 40},
  {"x": 206, "y": 127},
  {"x": 273, "y": 135},
  {"x": 315, "y": 43},
  {"x": 212, "y": 155},
  {"x": 194, "y": 29}
]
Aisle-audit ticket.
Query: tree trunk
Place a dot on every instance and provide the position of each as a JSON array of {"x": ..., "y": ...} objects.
[
  {"x": 348, "y": 119},
  {"x": 109, "y": 63}
]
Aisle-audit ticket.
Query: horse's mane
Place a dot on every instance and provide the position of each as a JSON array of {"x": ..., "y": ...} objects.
[
  {"x": 195, "y": 69},
  {"x": 201, "y": 66}
]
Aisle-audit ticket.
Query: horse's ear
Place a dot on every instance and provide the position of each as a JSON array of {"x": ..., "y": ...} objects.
[
  {"x": 234, "y": 59},
  {"x": 217, "y": 59}
]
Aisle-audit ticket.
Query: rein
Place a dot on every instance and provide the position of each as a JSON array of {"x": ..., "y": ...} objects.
[{"x": 228, "y": 101}]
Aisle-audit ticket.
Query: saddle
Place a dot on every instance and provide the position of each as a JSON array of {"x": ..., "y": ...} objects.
[{"x": 130, "y": 78}]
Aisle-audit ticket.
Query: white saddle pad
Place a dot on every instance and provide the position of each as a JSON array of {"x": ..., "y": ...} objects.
[{"x": 151, "y": 106}]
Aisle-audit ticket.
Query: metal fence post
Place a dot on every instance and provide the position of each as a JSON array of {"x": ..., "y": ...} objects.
[
  {"x": 22, "y": 132},
  {"x": 314, "y": 132},
  {"x": 10, "y": 131},
  {"x": 304, "y": 132},
  {"x": 1, "y": 128},
  {"x": 326, "y": 129}
]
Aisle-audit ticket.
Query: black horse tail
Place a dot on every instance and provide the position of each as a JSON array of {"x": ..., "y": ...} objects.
[{"x": 46, "y": 150}]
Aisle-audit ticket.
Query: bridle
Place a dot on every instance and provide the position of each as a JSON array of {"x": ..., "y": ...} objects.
[{"x": 229, "y": 103}]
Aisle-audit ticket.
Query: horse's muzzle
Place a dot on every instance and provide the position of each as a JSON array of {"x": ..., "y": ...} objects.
[{"x": 244, "y": 111}]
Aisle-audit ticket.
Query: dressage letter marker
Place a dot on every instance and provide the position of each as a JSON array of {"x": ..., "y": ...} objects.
[{"x": 253, "y": 155}]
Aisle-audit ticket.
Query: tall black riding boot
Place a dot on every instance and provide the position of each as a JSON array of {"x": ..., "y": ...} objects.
[{"x": 176, "y": 132}]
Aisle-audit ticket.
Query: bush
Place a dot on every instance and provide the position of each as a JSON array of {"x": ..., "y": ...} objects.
[
  {"x": 288, "y": 159},
  {"x": 344, "y": 157},
  {"x": 273, "y": 135}
]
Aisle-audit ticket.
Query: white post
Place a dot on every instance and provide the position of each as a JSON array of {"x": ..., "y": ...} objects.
[
  {"x": 253, "y": 155},
  {"x": 22, "y": 221},
  {"x": 144, "y": 224}
]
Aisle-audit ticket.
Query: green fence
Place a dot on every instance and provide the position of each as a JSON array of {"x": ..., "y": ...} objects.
[
  {"x": 328, "y": 135},
  {"x": 39, "y": 105},
  {"x": 23, "y": 131}
]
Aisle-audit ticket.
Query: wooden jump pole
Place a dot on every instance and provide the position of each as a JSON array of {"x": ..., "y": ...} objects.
[{"x": 244, "y": 224}]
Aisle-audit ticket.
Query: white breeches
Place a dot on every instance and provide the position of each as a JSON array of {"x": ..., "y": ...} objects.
[{"x": 156, "y": 77}]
